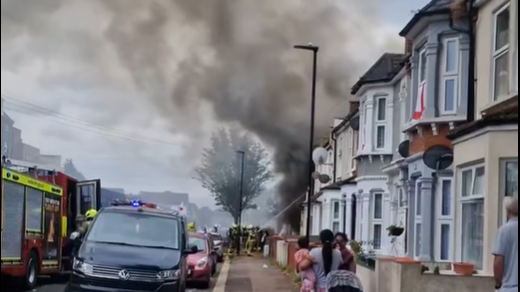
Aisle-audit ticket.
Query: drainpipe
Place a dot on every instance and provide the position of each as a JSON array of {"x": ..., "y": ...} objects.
[
  {"x": 471, "y": 65},
  {"x": 335, "y": 156}
]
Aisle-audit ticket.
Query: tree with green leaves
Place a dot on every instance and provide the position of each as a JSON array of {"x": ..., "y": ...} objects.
[{"x": 220, "y": 170}]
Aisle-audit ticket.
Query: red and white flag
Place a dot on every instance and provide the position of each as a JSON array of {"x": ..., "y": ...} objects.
[{"x": 419, "y": 107}]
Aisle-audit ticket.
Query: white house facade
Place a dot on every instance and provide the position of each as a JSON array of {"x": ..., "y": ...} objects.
[
  {"x": 375, "y": 91},
  {"x": 486, "y": 150},
  {"x": 345, "y": 135}
]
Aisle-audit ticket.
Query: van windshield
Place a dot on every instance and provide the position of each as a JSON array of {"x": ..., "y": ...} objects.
[{"x": 139, "y": 229}]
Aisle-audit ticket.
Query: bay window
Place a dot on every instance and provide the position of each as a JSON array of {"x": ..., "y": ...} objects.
[
  {"x": 377, "y": 220},
  {"x": 501, "y": 54},
  {"x": 380, "y": 122},
  {"x": 450, "y": 76},
  {"x": 444, "y": 220},
  {"x": 471, "y": 218}
]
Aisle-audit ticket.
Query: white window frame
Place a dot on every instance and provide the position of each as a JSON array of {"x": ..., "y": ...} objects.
[
  {"x": 355, "y": 143},
  {"x": 503, "y": 196},
  {"x": 515, "y": 58},
  {"x": 364, "y": 119},
  {"x": 404, "y": 118},
  {"x": 462, "y": 200},
  {"x": 417, "y": 217},
  {"x": 422, "y": 82},
  {"x": 380, "y": 123},
  {"x": 450, "y": 75},
  {"x": 377, "y": 221},
  {"x": 335, "y": 219},
  {"x": 496, "y": 54},
  {"x": 444, "y": 220}
]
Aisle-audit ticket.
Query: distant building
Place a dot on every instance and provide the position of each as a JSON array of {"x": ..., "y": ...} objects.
[
  {"x": 30, "y": 153},
  {"x": 7, "y": 129},
  {"x": 108, "y": 196},
  {"x": 117, "y": 190},
  {"x": 16, "y": 144},
  {"x": 52, "y": 161},
  {"x": 165, "y": 198}
]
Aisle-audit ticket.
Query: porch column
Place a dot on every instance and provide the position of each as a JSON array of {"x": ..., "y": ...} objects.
[
  {"x": 365, "y": 207},
  {"x": 410, "y": 190},
  {"x": 348, "y": 216},
  {"x": 394, "y": 202},
  {"x": 427, "y": 207},
  {"x": 387, "y": 221}
]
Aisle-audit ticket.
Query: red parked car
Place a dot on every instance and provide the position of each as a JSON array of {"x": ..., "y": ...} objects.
[{"x": 201, "y": 264}]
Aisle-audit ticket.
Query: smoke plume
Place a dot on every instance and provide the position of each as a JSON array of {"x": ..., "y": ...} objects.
[{"x": 201, "y": 60}]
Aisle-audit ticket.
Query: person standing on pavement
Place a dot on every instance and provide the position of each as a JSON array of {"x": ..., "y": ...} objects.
[
  {"x": 326, "y": 260},
  {"x": 505, "y": 250},
  {"x": 348, "y": 263}
]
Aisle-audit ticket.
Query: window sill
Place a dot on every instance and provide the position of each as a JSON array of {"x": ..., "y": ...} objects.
[
  {"x": 491, "y": 107},
  {"x": 373, "y": 153},
  {"x": 443, "y": 119}
]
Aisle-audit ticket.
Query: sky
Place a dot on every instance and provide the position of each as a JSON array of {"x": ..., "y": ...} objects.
[{"x": 75, "y": 95}]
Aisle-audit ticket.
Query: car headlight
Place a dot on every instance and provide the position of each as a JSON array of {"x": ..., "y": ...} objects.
[
  {"x": 169, "y": 275},
  {"x": 202, "y": 262},
  {"x": 82, "y": 267}
]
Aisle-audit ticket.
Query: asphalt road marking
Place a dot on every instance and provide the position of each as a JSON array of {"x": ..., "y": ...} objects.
[{"x": 222, "y": 278}]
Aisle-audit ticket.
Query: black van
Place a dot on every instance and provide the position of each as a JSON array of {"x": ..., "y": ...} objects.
[{"x": 129, "y": 248}]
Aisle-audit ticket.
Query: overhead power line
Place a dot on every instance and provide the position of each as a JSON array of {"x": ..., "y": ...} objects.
[{"x": 30, "y": 109}]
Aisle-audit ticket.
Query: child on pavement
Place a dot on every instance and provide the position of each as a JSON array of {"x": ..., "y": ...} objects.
[{"x": 307, "y": 276}]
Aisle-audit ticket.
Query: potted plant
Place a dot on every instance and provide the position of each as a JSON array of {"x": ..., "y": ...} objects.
[
  {"x": 394, "y": 230},
  {"x": 463, "y": 269}
]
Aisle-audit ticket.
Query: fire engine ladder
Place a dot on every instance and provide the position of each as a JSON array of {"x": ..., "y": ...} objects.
[{"x": 30, "y": 168}]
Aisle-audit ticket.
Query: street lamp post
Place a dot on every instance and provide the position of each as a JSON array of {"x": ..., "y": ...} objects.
[
  {"x": 314, "y": 50},
  {"x": 241, "y": 155}
]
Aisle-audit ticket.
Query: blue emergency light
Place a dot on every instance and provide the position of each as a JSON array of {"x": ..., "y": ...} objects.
[{"x": 133, "y": 203}]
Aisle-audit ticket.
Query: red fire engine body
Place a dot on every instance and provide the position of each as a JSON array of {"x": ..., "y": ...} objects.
[{"x": 41, "y": 208}]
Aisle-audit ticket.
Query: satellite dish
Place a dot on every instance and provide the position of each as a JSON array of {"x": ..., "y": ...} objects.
[
  {"x": 438, "y": 157},
  {"x": 404, "y": 148},
  {"x": 354, "y": 123},
  {"x": 320, "y": 155},
  {"x": 323, "y": 178}
]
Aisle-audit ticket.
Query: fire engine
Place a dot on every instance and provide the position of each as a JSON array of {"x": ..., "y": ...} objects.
[{"x": 42, "y": 208}]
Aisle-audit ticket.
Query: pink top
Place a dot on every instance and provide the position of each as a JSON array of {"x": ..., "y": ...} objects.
[{"x": 308, "y": 274}]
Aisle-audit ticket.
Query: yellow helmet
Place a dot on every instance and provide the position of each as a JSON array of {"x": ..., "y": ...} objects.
[
  {"x": 190, "y": 226},
  {"x": 90, "y": 214}
]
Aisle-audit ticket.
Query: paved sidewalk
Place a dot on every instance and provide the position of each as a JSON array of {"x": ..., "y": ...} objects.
[{"x": 247, "y": 274}]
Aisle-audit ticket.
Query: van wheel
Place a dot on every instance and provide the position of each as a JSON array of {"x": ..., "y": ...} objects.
[{"x": 31, "y": 274}]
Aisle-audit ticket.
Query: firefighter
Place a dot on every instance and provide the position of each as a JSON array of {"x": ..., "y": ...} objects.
[
  {"x": 191, "y": 227},
  {"x": 90, "y": 215},
  {"x": 83, "y": 224},
  {"x": 251, "y": 240},
  {"x": 232, "y": 235}
]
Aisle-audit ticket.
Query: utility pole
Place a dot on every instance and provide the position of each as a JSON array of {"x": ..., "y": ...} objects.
[{"x": 241, "y": 155}]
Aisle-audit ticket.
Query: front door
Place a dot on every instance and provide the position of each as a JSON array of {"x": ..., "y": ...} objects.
[{"x": 88, "y": 195}]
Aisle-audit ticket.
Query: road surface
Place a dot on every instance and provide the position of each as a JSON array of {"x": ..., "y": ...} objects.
[{"x": 48, "y": 286}]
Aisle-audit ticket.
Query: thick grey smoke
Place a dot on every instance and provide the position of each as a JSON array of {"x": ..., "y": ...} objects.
[{"x": 199, "y": 60}]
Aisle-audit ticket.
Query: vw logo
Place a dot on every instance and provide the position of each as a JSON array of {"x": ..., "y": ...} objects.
[{"x": 124, "y": 275}]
